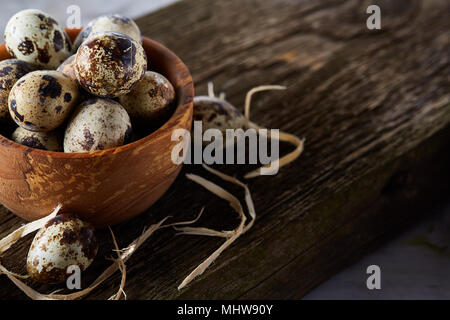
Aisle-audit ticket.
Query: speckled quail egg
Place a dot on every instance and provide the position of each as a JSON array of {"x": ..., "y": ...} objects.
[
  {"x": 151, "y": 100},
  {"x": 97, "y": 124},
  {"x": 35, "y": 37},
  {"x": 215, "y": 113},
  {"x": 42, "y": 100},
  {"x": 112, "y": 22},
  {"x": 110, "y": 64},
  {"x": 39, "y": 140},
  {"x": 64, "y": 241},
  {"x": 67, "y": 67},
  {"x": 11, "y": 70}
]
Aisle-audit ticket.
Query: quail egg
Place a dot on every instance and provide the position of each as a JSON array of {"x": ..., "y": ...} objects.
[
  {"x": 150, "y": 100},
  {"x": 39, "y": 140},
  {"x": 11, "y": 70},
  {"x": 110, "y": 64},
  {"x": 113, "y": 22},
  {"x": 42, "y": 100},
  {"x": 67, "y": 67},
  {"x": 64, "y": 241},
  {"x": 35, "y": 37},
  {"x": 97, "y": 124},
  {"x": 217, "y": 113}
]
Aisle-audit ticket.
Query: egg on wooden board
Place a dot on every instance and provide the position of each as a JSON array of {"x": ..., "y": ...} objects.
[{"x": 64, "y": 241}]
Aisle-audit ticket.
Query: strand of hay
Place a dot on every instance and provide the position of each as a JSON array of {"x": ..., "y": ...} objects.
[
  {"x": 248, "y": 196},
  {"x": 211, "y": 93},
  {"x": 203, "y": 232},
  {"x": 185, "y": 222},
  {"x": 123, "y": 270},
  {"x": 283, "y": 136},
  {"x": 231, "y": 236}
]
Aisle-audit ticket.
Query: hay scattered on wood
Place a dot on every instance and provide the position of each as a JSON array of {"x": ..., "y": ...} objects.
[
  {"x": 119, "y": 263},
  {"x": 231, "y": 235}
]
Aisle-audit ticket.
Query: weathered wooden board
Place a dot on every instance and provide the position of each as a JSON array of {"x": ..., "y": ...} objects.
[{"x": 374, "y": 107}]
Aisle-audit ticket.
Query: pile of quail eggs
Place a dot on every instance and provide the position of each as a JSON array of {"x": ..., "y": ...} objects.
[{"x": 100, "y": 93}]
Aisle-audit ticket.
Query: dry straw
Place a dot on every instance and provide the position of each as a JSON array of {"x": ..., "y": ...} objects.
[{"x": 231, "y": 235}]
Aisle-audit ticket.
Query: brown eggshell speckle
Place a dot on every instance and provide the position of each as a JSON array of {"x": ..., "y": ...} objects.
[
  {"x": 38, "y": 140},
  {"x": 110, "y": 64},
  {"x": 67, "y": 67},
  {"x": 97, "y": 124},
  {"x": 42, "y": 100},
  {"x": 11, "y": 71},
  {"x": 150, "y": 101},
  {"x": 64, "y": 241}
]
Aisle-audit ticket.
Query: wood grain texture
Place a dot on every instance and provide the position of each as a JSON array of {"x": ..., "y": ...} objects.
[{"x": 374, "y": 107}]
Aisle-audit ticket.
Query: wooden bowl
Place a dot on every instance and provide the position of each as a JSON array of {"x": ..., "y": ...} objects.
[{"x": 103, "y": 187}]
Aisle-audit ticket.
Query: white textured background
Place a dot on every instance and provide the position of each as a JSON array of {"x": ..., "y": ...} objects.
[{"x": 414, "y": 265}]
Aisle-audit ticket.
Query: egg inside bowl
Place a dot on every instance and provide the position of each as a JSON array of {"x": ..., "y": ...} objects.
[{"x": 103, "y": 187}]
